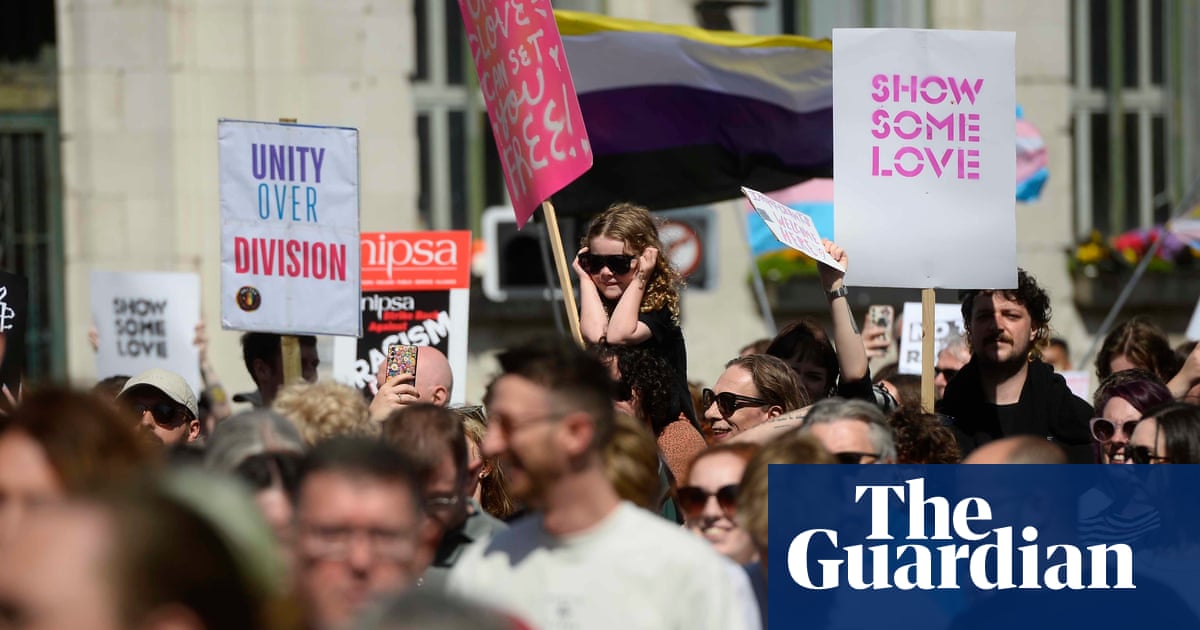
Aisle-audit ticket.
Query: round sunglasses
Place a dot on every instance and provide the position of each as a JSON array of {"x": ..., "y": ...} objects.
[
  {"x": 693, "y": 499},
  {"x": 1103, "y": 429},
  {"x": 619, "y": 264}
]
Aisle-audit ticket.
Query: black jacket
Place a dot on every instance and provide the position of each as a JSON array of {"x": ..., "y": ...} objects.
[{"x": 1046, "y": 407}]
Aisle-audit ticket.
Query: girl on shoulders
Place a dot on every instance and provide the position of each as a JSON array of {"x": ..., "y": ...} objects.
[{"x": 629, "y": 294}]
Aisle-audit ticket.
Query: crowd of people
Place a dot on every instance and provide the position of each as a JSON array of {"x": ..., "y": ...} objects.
[{"x": 594, "y": 487}]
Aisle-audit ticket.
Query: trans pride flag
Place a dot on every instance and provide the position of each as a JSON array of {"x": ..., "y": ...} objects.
[
  {"x": 1032, "y": 162},
  {"x": 681, "y": 116}
]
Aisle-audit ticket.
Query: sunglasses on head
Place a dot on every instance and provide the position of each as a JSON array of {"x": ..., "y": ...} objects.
[
  {"x": 692, "y": 499},
  {"x": 729, "y": 402},
  {"x": 1142, "y": 455},
  {"x": 619, "y": 264},
  {"x": 165, "y": 414},
  {"x": 851, "y": 457},
  {"x": 1104, "y": 429}
]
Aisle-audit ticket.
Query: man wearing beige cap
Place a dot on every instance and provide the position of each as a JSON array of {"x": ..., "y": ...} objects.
[{"x": 165, "y": 404}]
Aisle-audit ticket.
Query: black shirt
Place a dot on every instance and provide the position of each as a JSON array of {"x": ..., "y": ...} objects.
[{"x": 666, "y": 341}]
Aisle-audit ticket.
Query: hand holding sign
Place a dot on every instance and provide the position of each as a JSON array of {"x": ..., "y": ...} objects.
[
  {"x": 831, "y": 277},
  {"x": 792, "y": 227}
]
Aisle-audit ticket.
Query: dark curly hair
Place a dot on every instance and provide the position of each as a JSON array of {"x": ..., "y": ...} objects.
[
  {"x": 921, "y": 438},
  {"x": 1027, "y": 294},
  {"x": 653, "y": 379}
]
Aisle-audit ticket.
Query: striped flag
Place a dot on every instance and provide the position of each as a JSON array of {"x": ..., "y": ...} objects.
[
  {"x": 680, "y": 116},
  {"x": 1032, "y": 162}
]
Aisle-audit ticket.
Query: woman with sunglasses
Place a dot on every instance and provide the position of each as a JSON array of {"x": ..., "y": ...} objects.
[
  {"x": 708, "y": 498},
  {"x": 1169, "y": 434},
  {"x": 628, "y": 293},
  {"x": 1121, "y": 400}
]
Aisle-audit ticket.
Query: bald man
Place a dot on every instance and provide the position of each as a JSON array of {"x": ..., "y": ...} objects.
[
  {"x": 433, "y": 384},
  {"x": 1019, "y": 449}
]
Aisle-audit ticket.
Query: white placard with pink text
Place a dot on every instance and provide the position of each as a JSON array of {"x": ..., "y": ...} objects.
[
  {"x": 792, "y": 227},
  {"x": 924, "y": 124}
]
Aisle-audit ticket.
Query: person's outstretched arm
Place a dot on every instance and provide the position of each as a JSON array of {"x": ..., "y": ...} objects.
[
  {"x": 851, "y": 353},
  {"x": 1188, "y": 375}
]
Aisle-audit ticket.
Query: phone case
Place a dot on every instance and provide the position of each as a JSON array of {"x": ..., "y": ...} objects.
[
  {"x": 882, "y": 315},
  {"x": 401, "y": 360}
]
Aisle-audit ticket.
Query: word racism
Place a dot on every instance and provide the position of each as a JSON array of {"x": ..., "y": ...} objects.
[
  {"x": 919, "y": 564},
  {"x": 286, "y": 163},
  {"x": 531, "y": 126},
  {"x": 141, "y": 327},
  {"x": 939, "y": 140},
  {"x": 290, "y": 258}
]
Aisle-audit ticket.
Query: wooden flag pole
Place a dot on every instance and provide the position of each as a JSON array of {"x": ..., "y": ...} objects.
[
  {"x": 928, "y": 299},
  {"x": 289, "y": 345},
  {"x": 564, "y": 273}
]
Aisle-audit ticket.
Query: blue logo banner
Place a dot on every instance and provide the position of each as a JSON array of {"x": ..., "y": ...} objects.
[{"x": 982, "y": 547}]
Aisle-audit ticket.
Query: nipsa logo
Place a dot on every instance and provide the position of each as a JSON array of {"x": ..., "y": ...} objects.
[{"x": 929, "y": 555}]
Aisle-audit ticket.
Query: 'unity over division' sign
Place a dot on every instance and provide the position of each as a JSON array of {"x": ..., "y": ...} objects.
[
  {"x": 289, "y": 228},
  {"x": 924, "y": 127},
  {"x": 530, "y": 98}
]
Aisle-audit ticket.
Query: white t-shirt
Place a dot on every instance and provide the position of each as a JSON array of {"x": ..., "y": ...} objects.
[{"x": 632, "y": 571}]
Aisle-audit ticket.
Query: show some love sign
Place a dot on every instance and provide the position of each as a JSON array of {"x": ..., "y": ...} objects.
[
  {"x": 924, "y": 129},
  {"x": 530, "y": 98}
]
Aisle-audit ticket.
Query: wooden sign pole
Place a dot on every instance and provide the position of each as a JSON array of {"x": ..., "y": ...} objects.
[
  {"x": 564, "y": 272},
  {"x": 928, "y": 299},
  {"x": 289, "y": 345}
]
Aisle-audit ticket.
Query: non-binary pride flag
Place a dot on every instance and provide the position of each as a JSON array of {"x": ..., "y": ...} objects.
[{"x": 681, "y": 116}]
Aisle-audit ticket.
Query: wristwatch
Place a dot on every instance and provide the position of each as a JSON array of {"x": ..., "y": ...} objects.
[{"x": 837, "y": 293}]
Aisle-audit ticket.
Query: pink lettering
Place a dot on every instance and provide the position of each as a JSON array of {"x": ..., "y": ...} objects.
[
  {"x": 908, "y": 114},
  {"x": 904, "y": 170}
]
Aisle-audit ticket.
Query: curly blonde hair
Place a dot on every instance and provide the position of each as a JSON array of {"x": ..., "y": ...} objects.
[
  {"x": 633, "y": 225},
  {"x": 323, "y": 410}
]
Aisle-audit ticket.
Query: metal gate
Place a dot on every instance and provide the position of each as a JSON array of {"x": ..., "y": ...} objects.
[{"x": 31, "y": 242}]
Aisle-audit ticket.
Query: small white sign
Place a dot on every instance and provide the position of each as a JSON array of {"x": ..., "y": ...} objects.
[
  {"x": 924, "y": 124},
  {"x": 792, "y": 227},
  {"x": 947, "y": 318},
  {"x": 289, "y": 228},
  {"x": 1079, "y": 382},
  {"x": 1193, "y": 329},
  {"x": 146, "y": 320}
]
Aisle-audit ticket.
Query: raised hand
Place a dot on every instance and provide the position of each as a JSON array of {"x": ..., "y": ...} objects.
[
  {"x": 831, "y": 278},
  {"x": 579, "y": 270},
  {"x": 646, "y": 263}
]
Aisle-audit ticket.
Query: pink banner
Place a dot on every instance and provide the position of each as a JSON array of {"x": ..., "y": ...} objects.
[{"x": 530, "y": 97}]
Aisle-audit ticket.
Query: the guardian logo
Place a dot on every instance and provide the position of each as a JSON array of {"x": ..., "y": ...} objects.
[{"x": 984, "y": 557}]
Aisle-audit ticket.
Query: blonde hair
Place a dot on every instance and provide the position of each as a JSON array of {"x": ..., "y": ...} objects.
[
  {"x": 631, "y": 463},
  {"x": 790, "y": 448},
  {"x": 493, "y": 485},
  {"x": 323, "y": 410},
  {"x": 634, "y": 226}
]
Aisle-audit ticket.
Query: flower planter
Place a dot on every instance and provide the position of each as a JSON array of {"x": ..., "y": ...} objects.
[{"x": 1174, "y": 289}]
